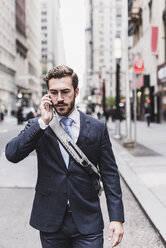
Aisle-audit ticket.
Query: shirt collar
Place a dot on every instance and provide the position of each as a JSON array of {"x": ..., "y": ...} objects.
[{"x": 74, "y": 116}]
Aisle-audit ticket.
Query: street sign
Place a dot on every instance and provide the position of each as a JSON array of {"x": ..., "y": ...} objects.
[{"x": 139, "y": 66}]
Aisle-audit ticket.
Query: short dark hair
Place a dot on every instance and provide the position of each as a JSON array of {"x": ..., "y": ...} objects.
[{"x": 60, "y": 72}]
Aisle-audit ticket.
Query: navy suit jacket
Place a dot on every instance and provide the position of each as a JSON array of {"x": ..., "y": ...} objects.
[{"x": 56, "y": 184}]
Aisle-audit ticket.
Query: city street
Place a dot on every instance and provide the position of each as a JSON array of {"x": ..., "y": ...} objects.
[
  {"x": 107, "y": 58},
  {"x": 17, "y": 183}
]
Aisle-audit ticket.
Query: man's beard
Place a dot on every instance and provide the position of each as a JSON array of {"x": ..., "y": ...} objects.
[{"x": 60, "y": 111}]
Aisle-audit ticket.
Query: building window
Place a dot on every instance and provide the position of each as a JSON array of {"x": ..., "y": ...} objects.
[
  {"x": 118, "y": 24},
  {"x": 118, "y": 11},
  {"x": 44, "y": 12},
  {"x": 44, "y": 49},
  {"x": 44, "y": 20},
  {"x": 44, "y": 27},
  {"x": 44, "y": 42},
  {"x": 21, "y": 49},
  {"x": 20, "y": 16},
  {"x": 44, "y": 57},
  {"x": 118, "y": 33}
]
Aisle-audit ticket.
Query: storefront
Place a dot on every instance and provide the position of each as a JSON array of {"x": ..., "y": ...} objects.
[
  {"x": 145, "y": 93},
  {"x": 161, "y": 93}
]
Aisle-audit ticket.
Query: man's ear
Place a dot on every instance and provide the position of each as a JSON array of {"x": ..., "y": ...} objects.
[{"x": 76, "y": 92}]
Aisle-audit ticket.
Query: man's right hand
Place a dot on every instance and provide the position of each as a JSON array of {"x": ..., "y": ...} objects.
[{"x": 46, "y": 109}]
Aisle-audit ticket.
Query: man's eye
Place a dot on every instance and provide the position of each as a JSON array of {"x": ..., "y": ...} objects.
[
  {"x": 65, "y": 91},
  {"x": 54, "y": 93}
]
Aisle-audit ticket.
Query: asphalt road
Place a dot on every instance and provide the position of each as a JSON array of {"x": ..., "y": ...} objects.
[{"x": 16, "y": 203}]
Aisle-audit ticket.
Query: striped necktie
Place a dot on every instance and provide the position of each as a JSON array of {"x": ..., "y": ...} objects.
[
  {"x": 67, "y": 122},
  {"x": 67, "y": 126}
]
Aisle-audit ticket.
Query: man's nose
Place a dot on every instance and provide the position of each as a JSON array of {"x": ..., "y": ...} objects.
[{"x": 59, "y": 98}]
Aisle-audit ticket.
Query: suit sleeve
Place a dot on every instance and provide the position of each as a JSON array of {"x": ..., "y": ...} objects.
[
  {"x": 22, "y": 145},
  {"x": 110, "y": 178}
]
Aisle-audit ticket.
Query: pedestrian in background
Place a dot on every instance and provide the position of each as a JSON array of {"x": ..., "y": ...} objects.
[
  {"x": 20, "y": 116},
  {"x": 99, "y": 112},
  {"x": 66, "y": 207},
  {"x": 148, "y": 113},
  {"x": 88, "y": 110},
  {"x": 2, "y": 112}
]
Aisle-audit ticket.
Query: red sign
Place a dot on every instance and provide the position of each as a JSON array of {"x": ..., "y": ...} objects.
[
  {"x": 154, "y": 40},
  {"x": 139, "y": 66}
]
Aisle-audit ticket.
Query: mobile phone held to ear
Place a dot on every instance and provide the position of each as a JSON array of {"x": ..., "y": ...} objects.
[{"x": 48, "y": 105}]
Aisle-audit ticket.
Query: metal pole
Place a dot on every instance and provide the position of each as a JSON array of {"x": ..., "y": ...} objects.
[
  {"x": 104, "y": 105},
  {"x": 135, "y": 108},
  {"x": 117, "y": 121},
  {"x": 117, "y": 90},
  {"x": 128, "y": 141}
]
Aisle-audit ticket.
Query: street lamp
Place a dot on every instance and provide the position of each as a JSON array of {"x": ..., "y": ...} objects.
[
  {"x": 118, "y": 55},
  {"x": 128, "y": 142},
  {"x": 103, "y": 88}
]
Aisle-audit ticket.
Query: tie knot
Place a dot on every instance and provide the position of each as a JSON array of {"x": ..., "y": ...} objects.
[{"x": 67, "y": 121}]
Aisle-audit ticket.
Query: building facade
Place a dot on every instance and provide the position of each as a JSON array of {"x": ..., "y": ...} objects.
[
  {"x": 104, "y": 25},
  {"x": 19, "y": 54},
  {"x": 7, "y": 56},
  {"x": 147, "y": 27},
  {"x": 52, "y": 46},
  {"x": 27, "y": 53},
  {"x": 33, "y": 54}
]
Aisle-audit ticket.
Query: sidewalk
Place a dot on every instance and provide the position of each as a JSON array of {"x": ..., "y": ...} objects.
[
  {"x": 8, "y": 121},
  {"x": 144, "y": 169}
]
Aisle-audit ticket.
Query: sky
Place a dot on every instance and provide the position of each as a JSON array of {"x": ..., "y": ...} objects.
[{"x": 73, "y": 25}]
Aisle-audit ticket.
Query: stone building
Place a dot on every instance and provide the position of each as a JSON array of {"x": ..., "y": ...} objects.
[
  {"x": 7, "y": 55},
  {"x": 104, "y": 24},
  {"x": 51, "y": 38},
  {"x": 19, "y": 54},
  {"x": 148, "y": 29},
  {"x": 27, "y": 52}
]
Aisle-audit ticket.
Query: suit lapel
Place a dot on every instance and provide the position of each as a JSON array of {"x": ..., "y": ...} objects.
[
  {"x": 57, "y": 148},
  {"x": 84, "y": 129}
]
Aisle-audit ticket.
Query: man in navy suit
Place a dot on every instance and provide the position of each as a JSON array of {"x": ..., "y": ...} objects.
[{"x": 66, "y": 207}]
